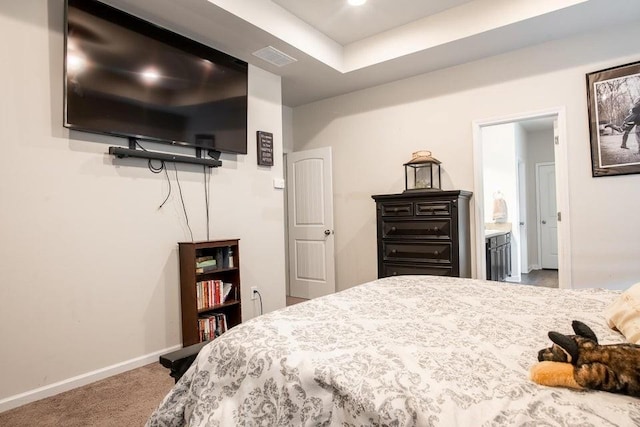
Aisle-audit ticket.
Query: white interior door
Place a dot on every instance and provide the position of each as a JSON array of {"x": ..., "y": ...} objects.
[
  {"x": 310, "y": 213},
  {"x": 547, "y": 214}
]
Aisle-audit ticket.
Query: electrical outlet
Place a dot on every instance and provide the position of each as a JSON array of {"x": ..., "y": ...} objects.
[{"x": 254, "y": 292}]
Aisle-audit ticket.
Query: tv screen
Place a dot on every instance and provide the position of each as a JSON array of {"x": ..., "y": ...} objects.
[{"x": 130, "y": 78}]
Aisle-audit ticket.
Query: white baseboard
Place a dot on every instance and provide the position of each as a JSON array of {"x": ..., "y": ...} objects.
[
  {"x": 534, "y": 267},
  {"x": 81, "y": 380}
]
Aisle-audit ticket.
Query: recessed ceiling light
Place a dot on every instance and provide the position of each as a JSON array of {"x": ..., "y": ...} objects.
[
  {"x": 150, "y": 75},
  {"x": 357, "y": 2},
  {"x": 76, "y": 63}
]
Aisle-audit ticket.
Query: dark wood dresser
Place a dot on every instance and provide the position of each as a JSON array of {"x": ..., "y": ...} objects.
[{"x": 424, "y": 232}]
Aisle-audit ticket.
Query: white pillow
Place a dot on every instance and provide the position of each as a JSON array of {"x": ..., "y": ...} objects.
[{"x": 623, "y": 314}]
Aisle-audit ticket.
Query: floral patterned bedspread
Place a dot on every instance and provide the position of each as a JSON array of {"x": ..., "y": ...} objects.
[{"x": 402, "y": 351}]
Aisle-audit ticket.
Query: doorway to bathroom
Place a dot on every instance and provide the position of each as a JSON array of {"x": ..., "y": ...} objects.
[{"x": 520, "y": 196}]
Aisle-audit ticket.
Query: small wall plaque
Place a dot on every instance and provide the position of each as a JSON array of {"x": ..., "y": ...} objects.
[{"x": 265, "y": 148}]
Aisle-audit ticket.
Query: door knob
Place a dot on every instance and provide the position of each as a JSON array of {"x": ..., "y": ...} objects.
[
  {"x": 327, "y": 232},
  {"x": 544, "y": 222}
]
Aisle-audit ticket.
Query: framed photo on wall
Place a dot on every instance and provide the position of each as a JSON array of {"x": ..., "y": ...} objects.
[
  {"x": 613, "y": 96},
  {"x": 265, "y": 148}
]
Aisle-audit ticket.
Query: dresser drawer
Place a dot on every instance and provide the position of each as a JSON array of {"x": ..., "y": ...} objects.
[
  {"x": 433, "y": 208},
  {"x": 390, "y": 269},
  {"x": 397, "y": 209},
  {"x": 422, "y": 229},
  {"x": 417, "y": 252}
]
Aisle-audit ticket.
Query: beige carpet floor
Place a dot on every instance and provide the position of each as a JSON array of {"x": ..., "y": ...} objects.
[{"x": 124, "y": 400}]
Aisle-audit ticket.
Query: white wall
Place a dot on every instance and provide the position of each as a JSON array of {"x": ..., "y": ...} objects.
[
  {"x": 89, "y": 264},
  {"x": 374, "y": 131}
]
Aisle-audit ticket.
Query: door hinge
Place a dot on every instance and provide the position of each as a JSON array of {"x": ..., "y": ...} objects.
[
  {"x": 556, "y": 140},
  {"x": 559, "y": 217}
]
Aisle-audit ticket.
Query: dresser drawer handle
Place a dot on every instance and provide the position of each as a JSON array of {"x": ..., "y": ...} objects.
[
  {"x": 395, "y": 209},
  {"x": 394, "y": 273},
  {"x": 393, "y": 229},
  {"x": 393, "y": 251},
  {"x": 436, "y": 253},
  {"x": 435, "y": 229}
]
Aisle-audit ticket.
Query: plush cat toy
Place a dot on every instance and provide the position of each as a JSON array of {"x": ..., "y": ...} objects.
[{"x": 579, "y": 362}]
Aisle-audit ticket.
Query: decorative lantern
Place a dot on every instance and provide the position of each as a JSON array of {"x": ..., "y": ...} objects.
[{"x": 422, "y": 172}]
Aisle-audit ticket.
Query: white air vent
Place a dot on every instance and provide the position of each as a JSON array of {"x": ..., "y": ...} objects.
[{"x": 274, "y": 56}]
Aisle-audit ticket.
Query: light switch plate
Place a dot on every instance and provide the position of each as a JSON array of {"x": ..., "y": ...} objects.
[{"x": 278, "y": 182}]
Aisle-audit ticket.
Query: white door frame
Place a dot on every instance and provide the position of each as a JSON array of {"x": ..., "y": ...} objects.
[
  {"x": 523, "y": 225},
  {"x": 562, "y": 190},
  {"x": 286, "y": 221}
]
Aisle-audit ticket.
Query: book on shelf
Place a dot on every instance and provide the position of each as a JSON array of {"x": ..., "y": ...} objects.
[
  {"x": 210, "y": 293},
  {"x": 226, "y": 290},
  {"x": 206, "y": 263},
  {"x": 221, "y": 323},
  {"x": 207, "y": 268},
  {"x": 206, "y": 328},
  {"x": 204, "y": 258},
  {"x": 212, "y": 326}
]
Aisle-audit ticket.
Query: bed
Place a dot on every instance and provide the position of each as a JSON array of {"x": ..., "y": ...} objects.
[{"x": 399, "y": 351}]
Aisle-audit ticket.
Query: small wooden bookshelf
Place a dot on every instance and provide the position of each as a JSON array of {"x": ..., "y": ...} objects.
[{"x": 206, "y": 312}]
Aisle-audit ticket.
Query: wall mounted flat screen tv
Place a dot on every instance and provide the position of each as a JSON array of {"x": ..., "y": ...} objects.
[{"x": 127, "y": 77}]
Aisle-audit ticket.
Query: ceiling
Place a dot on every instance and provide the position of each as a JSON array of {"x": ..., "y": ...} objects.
[
  {"x": 340, "y": 48},
  {"x": 346, "y": 24}
]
